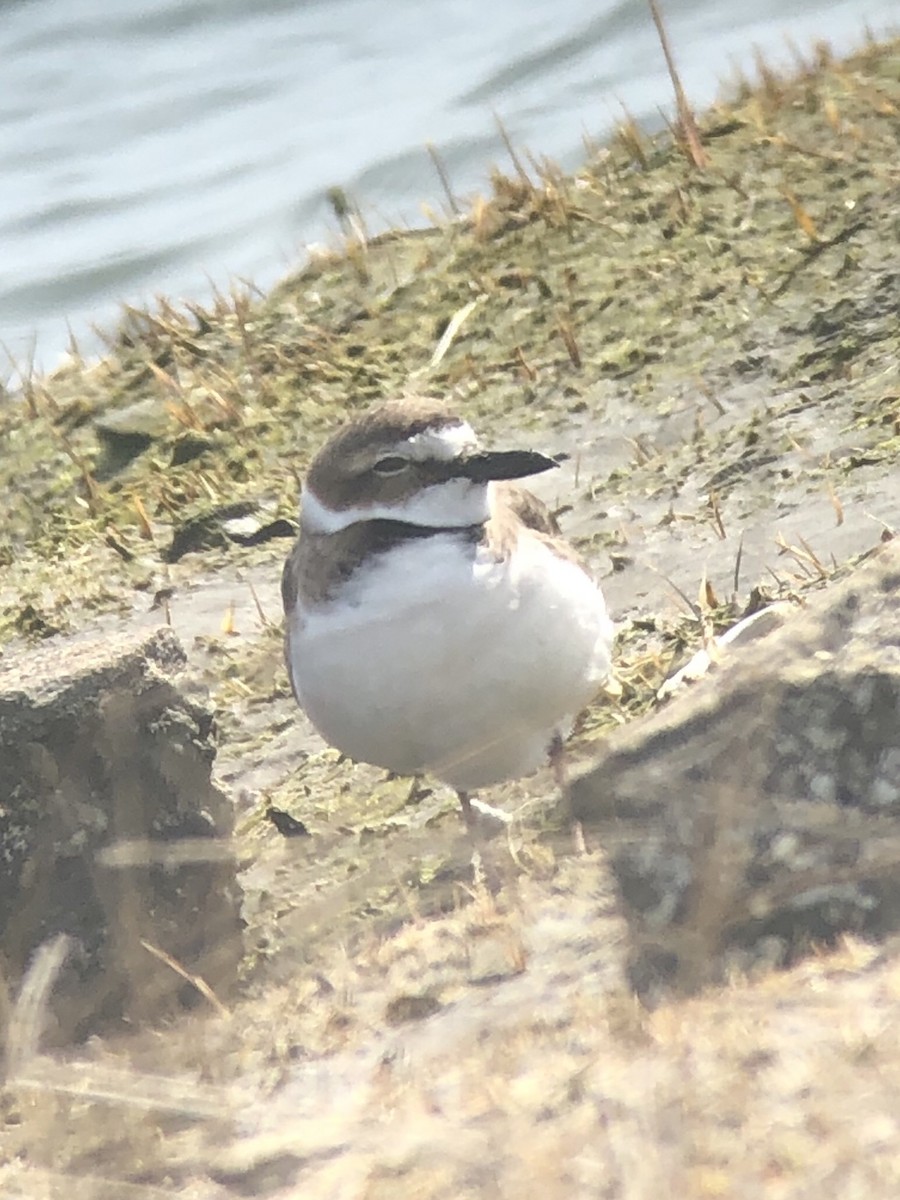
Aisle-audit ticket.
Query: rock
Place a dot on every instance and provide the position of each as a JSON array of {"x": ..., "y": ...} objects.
[
  {"x": 188, "y": 446},
  {"x": 252, "y": 531},
  {"x": 124, "y": 433},
  {"x": 112, "y": 832},
  {"x": 246, "y": 523},
  {"x": 758, "y": 814}
]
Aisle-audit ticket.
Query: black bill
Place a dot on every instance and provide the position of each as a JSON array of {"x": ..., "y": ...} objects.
[{"x": 502, "y": 464}]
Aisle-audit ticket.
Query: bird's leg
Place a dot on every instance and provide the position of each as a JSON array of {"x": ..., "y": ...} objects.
[
  {"x": 468, "y": 815},
  {"x": 557, "y": 757}
]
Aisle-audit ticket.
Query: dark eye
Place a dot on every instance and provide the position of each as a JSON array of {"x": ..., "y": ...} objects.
[{"x": 392, "y": 465}]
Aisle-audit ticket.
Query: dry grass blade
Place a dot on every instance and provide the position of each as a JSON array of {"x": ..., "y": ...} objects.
[
  {"x": 706, "y": 597},
  {"x": 196, "y": 980},
  {"x": 453, "y": 327},
  {"x": 91, "y": 487},
  {"x": 836, "y": 505},
  {"x": 739, "y": 557},
  {"x": 814, "y": 558},
  {"x": 117, "y": 1085},
  {"x": 260, "y": 611},
  {"x": 716, "y": 512},
  {"x": 528, "y": 370},
  {"x": 145, "y": 852},
  {"x": 24, "y": 376},
  {"x": 228, "y": 626},
  {"x": 514, "y": 158},
  {"x": 692, "y": 608},
  {"x": 27, "y": 1018},
  {"x": 567, "y": 333},
  {"x": 805, "y": 557},
  {"x": 442, "y": 175},
  {"x": 686, "y": 119},
  {"x": 167, "y": 381},
  {"x": 630, "y": 135},
  {"x": 801, "y": 216},
  {"x": 143, "y": 520}
]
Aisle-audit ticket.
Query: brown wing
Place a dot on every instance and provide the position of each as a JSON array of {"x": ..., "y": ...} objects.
[
  {"x": 289, "y": 588},
  {"x": 289, "y": 578},
  {"x": 535, "y": 514},
  {"x": 531, "y": 512}
]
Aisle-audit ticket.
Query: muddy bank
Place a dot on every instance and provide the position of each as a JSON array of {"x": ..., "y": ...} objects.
[{"x": 715, "y": 352}]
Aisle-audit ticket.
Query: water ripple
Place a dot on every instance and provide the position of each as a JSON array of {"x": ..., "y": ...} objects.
[{"x": 149, "y": 147}]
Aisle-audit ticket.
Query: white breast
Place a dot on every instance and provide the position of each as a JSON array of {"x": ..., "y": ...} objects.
[{"x": 439, "y": 658}]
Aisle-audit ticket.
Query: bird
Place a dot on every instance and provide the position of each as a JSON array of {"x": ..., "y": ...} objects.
[{"x": 436, "y": 620}]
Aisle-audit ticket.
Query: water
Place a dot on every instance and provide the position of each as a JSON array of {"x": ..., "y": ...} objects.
[{"x": 166, "y": 146}]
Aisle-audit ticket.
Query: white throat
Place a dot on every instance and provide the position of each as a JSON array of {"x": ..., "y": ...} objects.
[{"x": 454, "y": 504}]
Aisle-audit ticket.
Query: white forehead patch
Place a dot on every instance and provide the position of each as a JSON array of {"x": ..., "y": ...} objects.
[{"x": 444, "y": 444}]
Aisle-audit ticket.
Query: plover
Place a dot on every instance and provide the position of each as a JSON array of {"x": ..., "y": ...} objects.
[{"x": 436, "y": 620}]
